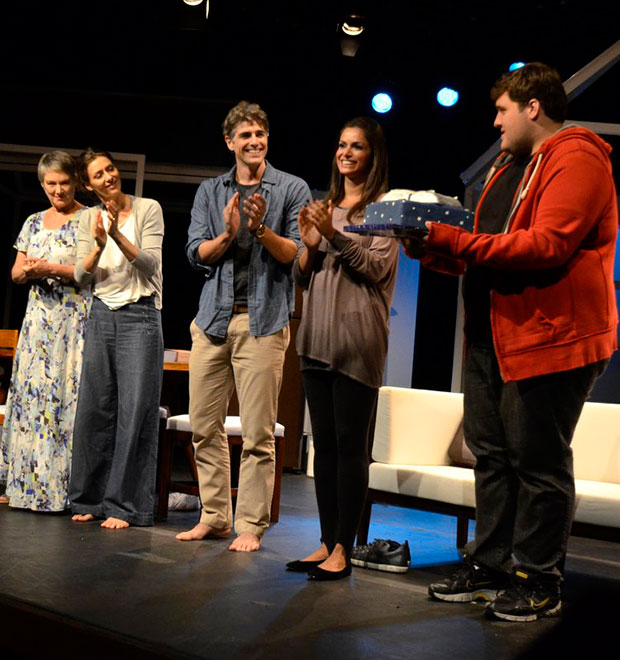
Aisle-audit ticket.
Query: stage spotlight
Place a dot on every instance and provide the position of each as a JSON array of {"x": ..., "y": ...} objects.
[
  {"x": 381, "y": 102},
  {"x": 350, "y": 31},
  {"x": 516, "y": 65},
  {"x": 447, "y": 97}
]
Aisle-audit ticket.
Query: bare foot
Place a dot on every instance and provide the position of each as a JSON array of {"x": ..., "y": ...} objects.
[
  {"x": 4, "y": 499},
  {"x": 114, "y": 523},
  {"x": 245, "y": 542},
  {"x": 83, "y": 517},
  {"x": 318, "y": 555},
  {"x": 336, "y": 561},
  {"x": 201, "y": 531}
]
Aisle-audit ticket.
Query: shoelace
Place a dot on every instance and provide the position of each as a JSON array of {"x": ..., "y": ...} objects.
[
  {"x": 469, "y": 570},
  {"x": 519, "y": 589},
  {"x": 370, "y": 545}
]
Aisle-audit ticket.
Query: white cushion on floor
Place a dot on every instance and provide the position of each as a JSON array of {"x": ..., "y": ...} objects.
[
  {"x": 443, "y": 483},
  {"x": 232, "y": 425}
]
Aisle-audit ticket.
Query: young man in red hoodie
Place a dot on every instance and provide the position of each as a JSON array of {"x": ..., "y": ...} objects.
[{"x": 540, "y": 327}]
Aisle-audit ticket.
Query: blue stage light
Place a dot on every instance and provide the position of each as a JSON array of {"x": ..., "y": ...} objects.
[
  {"x": 447, "y": 97},
  {"x": 381, "y": 102},
  {"x": 516, "y": 65}
]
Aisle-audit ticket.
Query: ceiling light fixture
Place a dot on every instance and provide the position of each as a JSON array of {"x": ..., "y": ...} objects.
[
  {"x": 353, "y": 25},
  {"x": 350, "y": 31},
  {"x": 193, "y": 3}
]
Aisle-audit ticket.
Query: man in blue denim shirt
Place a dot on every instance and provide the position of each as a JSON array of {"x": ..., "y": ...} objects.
[{"x": 244, "y": 237}]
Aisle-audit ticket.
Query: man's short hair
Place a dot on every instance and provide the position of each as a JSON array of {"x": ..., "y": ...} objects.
[
  {"x": 244, "y": 111},
  {"x": 535, "y": 81}
]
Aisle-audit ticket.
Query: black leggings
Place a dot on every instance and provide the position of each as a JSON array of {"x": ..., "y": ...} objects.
[{"x": 341, "y": 411}]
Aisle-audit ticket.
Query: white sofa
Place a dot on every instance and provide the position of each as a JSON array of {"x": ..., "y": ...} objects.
[{"x": 420, "y": 461}]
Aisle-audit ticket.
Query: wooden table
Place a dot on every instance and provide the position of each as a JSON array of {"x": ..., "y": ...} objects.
[{"x": 176, "y": 366}]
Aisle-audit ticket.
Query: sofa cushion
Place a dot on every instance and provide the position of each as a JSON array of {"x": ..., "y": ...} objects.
[
  {"x": 232, "y": 425},
  {"x": 443, "y": 483},
  {"x": 598, "y": 503},
  {"x": 458, "y": 452},
  {"x": 416, "y": 426},
  {"x": 596, "y": 443}
]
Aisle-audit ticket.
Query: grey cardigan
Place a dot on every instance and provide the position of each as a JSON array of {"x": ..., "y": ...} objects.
[{"x": 149, "y": 237}]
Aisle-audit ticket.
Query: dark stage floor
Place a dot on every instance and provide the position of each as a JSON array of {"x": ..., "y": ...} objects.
[{"x": 78, "y": 591}]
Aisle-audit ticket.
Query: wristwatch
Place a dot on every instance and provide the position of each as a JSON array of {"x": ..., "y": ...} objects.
[{"x": 259, "y": 232}]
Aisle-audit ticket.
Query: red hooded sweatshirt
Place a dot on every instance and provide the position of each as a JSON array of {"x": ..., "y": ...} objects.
[{"x": 553, "y": 303}]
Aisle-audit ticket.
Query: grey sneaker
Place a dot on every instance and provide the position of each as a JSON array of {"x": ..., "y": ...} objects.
[
  {"x": 527, "y": 598},
  {"x": 470, "y": 582},
  {"x": 382, "y": 555}
]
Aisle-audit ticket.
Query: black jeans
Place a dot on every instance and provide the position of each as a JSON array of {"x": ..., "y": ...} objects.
[
  {"x": 341, "y": 411},
  {"x": 520, "y": 434}
]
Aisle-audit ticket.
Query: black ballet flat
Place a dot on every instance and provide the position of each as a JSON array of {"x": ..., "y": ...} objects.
[
  {"x": 320, "y": 575},
  {"x": 300, "y": 566}
]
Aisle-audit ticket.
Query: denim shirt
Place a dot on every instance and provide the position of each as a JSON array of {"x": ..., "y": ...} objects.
[{"x": 271, "y": 298}]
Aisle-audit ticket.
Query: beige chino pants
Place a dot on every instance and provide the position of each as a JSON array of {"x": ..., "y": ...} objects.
[{"x": 254, "y": 366}]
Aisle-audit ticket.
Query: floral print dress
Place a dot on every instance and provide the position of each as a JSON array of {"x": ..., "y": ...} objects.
[{"x": 35, "y": 457}]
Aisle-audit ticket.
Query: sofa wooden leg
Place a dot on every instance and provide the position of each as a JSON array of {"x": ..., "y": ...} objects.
[
  {"x": 362, "y": 530},
  {"x": 191, "y": 461},
  {"x": 462, "y": 530},
  {"x": 277, "y": 486},
  {"x": 164, "y": 470}
]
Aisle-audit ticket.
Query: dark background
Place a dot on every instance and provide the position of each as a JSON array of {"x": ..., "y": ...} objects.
[{"x": 154, "y": 77}]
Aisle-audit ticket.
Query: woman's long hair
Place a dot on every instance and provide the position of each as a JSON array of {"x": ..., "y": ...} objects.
[{"x": 377, "y": 180}]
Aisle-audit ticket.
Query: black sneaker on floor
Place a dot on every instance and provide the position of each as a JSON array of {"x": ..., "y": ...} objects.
[
  {"x": 383, "y": 555},
  {"x": 470, "y": 582},
  {"x": 527, "y": 598}
]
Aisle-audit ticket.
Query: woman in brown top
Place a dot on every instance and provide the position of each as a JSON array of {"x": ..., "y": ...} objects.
[{"x": 342, "y": 341}]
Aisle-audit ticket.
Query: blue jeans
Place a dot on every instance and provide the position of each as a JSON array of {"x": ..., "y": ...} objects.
[
  {"x": 115, "y": 435},
  {"x": 520, "y": 433}
]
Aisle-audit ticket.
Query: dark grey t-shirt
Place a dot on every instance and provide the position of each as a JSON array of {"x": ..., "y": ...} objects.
[
  {"x": 479, "y": 280},
  {"x": 242, "y": 246}
]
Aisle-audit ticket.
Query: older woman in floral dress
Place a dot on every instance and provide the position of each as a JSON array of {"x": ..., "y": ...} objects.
[{"x": 37, "y": 434}]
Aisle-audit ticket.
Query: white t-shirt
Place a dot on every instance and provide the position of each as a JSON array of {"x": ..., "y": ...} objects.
[{"x": 117, "y": 282}]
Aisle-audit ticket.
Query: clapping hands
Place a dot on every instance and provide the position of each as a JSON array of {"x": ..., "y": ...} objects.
[
  {"x": 254, "y": 207},
  {"x": 113, "y": 215},
  {"x": 98, "y": 231},
  {"x": 315, "y": 221},
  {"x": 232, "y": 218}
]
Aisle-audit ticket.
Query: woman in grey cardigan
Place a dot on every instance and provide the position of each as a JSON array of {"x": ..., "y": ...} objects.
[
  {"x": 342, "y": 341},
  {"x": 115, "y": 437}
]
